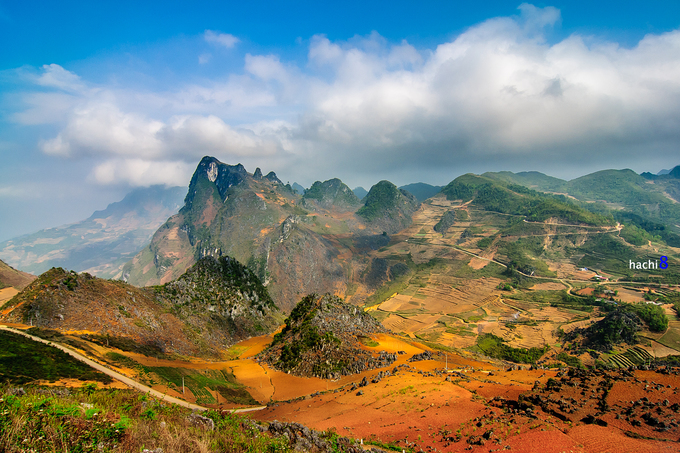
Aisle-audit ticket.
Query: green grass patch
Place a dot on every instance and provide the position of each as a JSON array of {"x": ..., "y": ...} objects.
[
  {"x": 495, "y": 346},
  {"x": 23, "y": 360}
]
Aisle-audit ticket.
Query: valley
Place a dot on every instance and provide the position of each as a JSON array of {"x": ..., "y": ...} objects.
[{"x": 488, "y": 316}]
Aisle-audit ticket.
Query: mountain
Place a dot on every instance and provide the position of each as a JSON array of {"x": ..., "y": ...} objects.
[
  {"x": 10, "y": 277},
  {"x": 295, "y": 245},
  {"x": 331, "y": 194},
  {"x": 421, "y": 191},
  {"x": 325, "y": 337},
  {"x": 652, "y": 197},
  {"x": 298, "y": 188},
  {"x": 212, "y": 306},
  {"x": 360, "y": 192},
  {"x": 531, "y": 179},
  {"x": 388, "y": 208},
  {"x": 262, "y": 223},
  {"x": 497, "y": 196},
  {"x": 100, "y": 244}
]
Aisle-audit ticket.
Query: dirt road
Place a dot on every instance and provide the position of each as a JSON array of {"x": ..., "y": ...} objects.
[{"x": 119, "y": 377}]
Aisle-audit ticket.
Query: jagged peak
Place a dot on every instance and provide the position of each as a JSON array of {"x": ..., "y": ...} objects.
[
  {"x": 271, "y": 176},
  {"x": 223, "y": 176},
  {"x": 258, "y": 174}
]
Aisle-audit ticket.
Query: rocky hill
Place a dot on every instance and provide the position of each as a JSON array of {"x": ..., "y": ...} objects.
[
  {"x": 101, "y": 244},
  {"x": 213, "y": 305},
  {"x": 331, "y": 194},
  {"x": 323, "y": 337},
  {"x": 388, "y": 208}
]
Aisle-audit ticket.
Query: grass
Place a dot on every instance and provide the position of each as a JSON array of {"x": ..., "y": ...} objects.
[
  {"x": 23, "y": 360},
  {"x": 91, "y": 420}
]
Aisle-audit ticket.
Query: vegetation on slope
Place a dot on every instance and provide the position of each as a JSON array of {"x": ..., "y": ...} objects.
[
  {"x": 213, "y": 305},
  {"x": 92, "y": 420},
  {"x": 23, "y": 360},
  {"x": 513, "y": 199},
  {"x": 332, "y": 193},
  {"x": 387, "y": 206},
  {"x": 495, "y": 346},
  {"x": 321, "y": 338}
]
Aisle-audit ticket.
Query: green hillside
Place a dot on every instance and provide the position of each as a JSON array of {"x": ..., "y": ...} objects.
[{"x": 506, "y": 198}]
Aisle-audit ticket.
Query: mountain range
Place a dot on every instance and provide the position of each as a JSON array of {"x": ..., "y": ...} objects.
[{"x": 100, "y": 244}]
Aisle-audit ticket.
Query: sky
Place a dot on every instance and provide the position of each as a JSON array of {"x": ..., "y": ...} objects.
[{"x": 98, "y": 98}]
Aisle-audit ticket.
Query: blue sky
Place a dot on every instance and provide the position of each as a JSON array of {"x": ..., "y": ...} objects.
[{"x": 98, "y": 98}]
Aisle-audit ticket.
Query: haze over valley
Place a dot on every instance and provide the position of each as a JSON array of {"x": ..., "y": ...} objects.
[{"x": 416, "y": 228}]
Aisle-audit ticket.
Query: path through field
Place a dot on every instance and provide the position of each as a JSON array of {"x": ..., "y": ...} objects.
[{"x": 119, "y": 377}]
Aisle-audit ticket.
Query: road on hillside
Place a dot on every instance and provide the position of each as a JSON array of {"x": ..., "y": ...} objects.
[
  {"x": 122, "y": 378},
  {"x": 563, "y": 280}
]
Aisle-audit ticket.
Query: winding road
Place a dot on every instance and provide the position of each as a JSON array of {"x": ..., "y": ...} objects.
[{"x": 122, "y": 378}]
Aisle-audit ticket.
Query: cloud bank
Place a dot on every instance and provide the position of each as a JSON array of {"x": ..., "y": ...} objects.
[{"x": 497, "y": 94}]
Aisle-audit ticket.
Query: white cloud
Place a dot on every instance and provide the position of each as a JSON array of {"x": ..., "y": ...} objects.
[
  {"x": 221, "y": 39},
  {"x": 56, "y": 76},
  {"x": 142, "y": 173},
  {"x": 497, "y": 93}
]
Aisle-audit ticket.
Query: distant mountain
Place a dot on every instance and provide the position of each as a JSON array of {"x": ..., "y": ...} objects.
[
  {"x": 663, "y": 172},
  {"x": 531, "y": 179},
  {"x": 388, "y": 208},
  {"x": 647, "y": 196},
  {"x": 298, "y": 188},
  {"x": 332, "y": 194},
  {"x": 101, "y": 244},
  {"x": 221, "y": 299},
  {"x": 10, "y": 277},
  {"x": 360, "y": 192},
  {"x": 675, "y": 172},
  {"x": 421, "y": 190}
]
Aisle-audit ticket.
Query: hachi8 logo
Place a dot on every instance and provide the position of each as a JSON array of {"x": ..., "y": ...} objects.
[{"x": 661, "y": 263}]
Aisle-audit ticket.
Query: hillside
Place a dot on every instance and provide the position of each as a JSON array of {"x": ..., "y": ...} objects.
[
  {"x": 326, "y": 338},
  {"x": 497, "y": 196},
  {"x": 388, "y": 208},
  {"x": 10, "y": 277},
  {"x": 101, "y": 244},
  {"x": 331, "y": 194},
  {"x": 652, "y": 197},
  {"x": 213, "y": 305},
  {"x": 531, "y": 179}
]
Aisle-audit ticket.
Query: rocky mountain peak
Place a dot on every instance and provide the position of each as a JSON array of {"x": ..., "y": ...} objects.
[
  {"x": 213, "y": 173},
  {"x": 271, "y": 176},
  {"x": 258, "y": 174}
]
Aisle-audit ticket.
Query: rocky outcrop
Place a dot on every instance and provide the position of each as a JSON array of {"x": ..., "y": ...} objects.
[{"x": 322, "y": 338}]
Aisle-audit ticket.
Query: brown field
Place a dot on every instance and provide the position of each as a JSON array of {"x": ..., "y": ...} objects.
[
  {"x": 630, "y": 296},
  {"x": 548, "y": 286},
  {"x": 586, "y": 291},
  {"x": 580, "y": 324},
  {"x": 6, "y": 294}
]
